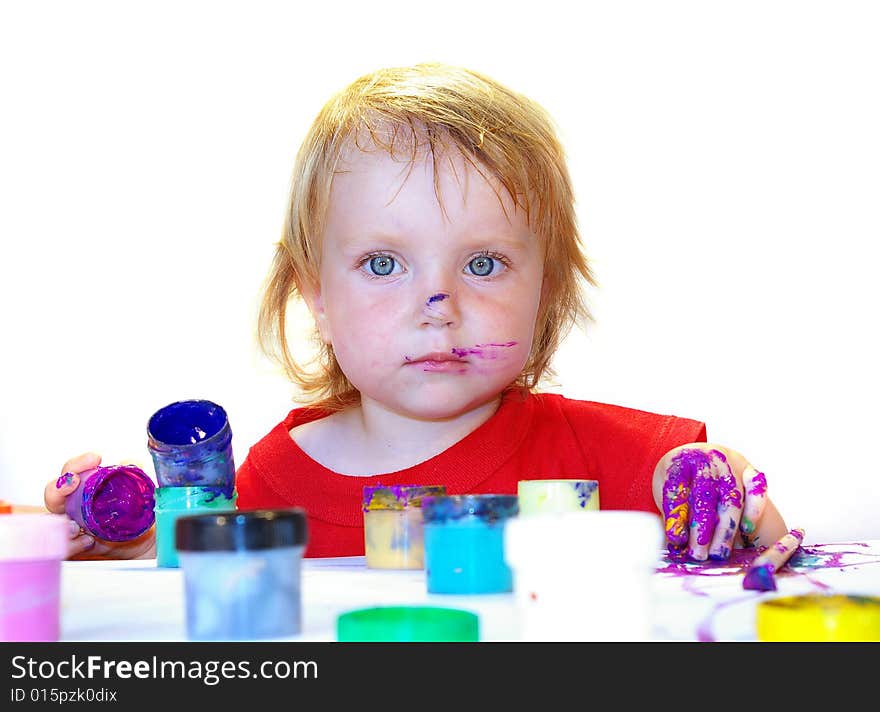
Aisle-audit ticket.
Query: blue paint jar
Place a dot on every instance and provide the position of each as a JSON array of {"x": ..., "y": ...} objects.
[
  {"x": 241, "y": 573},
  {"x": 191, "y": 446},
  {"x": 175, "y": 502},
  {"x": 464, "y": 543}
]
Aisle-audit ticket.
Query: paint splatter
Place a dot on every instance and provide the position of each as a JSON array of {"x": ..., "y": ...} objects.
[
  {"x": 484, "y": 351},
  {"x": 439, "y": 297},
  {"x": 65, "y": 479}
]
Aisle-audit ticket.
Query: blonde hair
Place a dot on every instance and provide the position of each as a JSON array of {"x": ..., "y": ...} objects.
[{"x": 501, "y": 133}]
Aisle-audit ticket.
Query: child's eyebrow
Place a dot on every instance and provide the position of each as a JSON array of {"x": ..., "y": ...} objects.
[{"x": 476, "y": 241}]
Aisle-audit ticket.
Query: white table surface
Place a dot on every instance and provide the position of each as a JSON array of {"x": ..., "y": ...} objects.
[{"x": 137, "y": 601}]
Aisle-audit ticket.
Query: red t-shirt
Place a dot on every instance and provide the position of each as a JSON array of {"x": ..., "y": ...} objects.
[{"x": 539, "y": 436}]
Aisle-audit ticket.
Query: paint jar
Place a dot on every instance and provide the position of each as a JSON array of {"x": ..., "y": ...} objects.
[
  {"x": 585, "y": 578},
  {"x": 545, "y": 496},
  {"x": 241, "y": 573},
  {"x": 113, "y": 503},
  {"x": 393, "y": 530},
  {"x": 408, "y": 624},
  {"x": 32, "y": 547},
  {"x": 175, "y": 502},
  {"x": 191, "y": 446},
  {"x": 819, "y": 618},
  {"x": 464, "y": 543}
]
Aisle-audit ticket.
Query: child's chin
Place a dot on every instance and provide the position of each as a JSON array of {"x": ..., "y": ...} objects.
[{"x": 445, "y": 406}]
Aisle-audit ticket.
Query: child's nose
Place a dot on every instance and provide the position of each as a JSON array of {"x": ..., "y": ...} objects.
[{"x": 439, "y": 309}]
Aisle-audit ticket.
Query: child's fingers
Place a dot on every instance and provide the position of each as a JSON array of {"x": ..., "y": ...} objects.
[
  {"x": 676, "y": 492},
  {"x": 755, "y": 499},
  {"x": 81, "y": 463},
  {"x": 80, "y": 545},
  {"x": 730, "y": 499},
  {"x": 704, "y": 515},
  {"x": 56, "y": 491}
]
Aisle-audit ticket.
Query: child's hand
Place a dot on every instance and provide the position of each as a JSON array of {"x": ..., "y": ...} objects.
[
  {"x": 713, "y": 499},
  {"x": 82, "y": 545}
]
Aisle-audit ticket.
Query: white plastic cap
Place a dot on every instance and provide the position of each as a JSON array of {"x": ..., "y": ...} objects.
[
  {"x": 623, "y": 538},
  {"x": 25, "y": 537}
]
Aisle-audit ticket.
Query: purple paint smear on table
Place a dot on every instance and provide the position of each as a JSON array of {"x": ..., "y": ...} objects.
[{"x": 804, "y": 561}]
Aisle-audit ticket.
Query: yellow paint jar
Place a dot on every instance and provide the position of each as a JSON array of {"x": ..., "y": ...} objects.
[
  {"x": 393, "y": 528},
  {"x": 819, "y": 618}
]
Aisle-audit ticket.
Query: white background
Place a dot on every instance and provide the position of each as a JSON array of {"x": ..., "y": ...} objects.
[{"x": 726, "y": 159}]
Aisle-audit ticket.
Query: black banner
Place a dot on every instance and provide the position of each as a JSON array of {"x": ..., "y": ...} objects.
[{"x": 229, "y": 675}]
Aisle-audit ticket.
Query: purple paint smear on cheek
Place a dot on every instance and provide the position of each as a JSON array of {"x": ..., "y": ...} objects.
[{"x": 483, "y": 351}]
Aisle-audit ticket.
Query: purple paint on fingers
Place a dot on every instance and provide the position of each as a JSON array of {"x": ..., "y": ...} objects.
[
  {"x": 704, "y": 507},
  {"x": 758, "y": 485},
  {"x": 65, "y": 479},
  {"x": 760, "y": 578}
]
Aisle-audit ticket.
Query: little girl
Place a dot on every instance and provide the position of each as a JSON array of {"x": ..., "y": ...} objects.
[{"x": 431, "y": 232}]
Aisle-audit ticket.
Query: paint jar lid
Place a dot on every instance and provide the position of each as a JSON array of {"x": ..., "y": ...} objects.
[
  {"x": 610, "y": 538},
  {"x": 408, "y": 624},
  {"x": 398, "y": 496},
  {"x": 241, "y": 531},
  {"x": 27, "y": 537},
  {"x": 487, "y": 507}
]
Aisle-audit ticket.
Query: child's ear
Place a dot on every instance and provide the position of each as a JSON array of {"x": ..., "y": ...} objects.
[{"x": 314, "y": 301}]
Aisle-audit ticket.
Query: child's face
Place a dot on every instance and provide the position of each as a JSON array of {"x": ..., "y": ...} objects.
[{"x": 429, "y": 315}]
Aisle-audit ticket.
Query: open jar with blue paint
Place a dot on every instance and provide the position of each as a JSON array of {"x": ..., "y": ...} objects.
[
  {"x": 190, "y": 442},
  {"x": 464, "y": 543},
  {"x": 242, "y": 573}
]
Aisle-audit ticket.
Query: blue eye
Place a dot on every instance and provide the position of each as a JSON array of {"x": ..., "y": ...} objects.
[
  {"x": 382, "y": 265},
  {"x": 481, "y": 266}
]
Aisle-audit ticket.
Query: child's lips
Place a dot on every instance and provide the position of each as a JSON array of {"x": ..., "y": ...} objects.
[
  {"x": 438, "y": 362},
  {"x": 444, "y": 366}
]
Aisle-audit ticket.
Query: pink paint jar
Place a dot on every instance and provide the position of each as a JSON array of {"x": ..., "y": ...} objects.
[{"x": 32, "y": 547}]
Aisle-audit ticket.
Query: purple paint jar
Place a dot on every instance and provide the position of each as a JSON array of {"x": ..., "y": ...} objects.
[
  {"x": 191, "y": 445},
  {"x": 113, "y": 503}
]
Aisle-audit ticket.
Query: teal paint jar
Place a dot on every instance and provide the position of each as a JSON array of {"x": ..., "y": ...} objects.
[
  {"x": 175, "y": 502},
  {"x": 464, "y": 543}
]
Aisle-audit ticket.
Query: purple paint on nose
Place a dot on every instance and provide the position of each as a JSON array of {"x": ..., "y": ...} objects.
[{"x": 439, "y": 297}]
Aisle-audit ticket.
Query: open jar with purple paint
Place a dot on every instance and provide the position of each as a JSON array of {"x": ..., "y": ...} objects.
[{"x": 113, "y": 503}]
